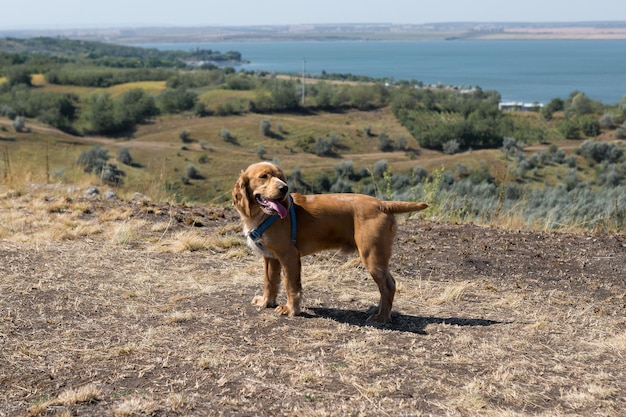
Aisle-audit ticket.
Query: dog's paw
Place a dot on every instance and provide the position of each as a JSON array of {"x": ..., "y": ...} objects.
[
  {"x": 375, "y": 316},
  {"x": 263, "y": 302},
  {"x": 285, "y": 310}
]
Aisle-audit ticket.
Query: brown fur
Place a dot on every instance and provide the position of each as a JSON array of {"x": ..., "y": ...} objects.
[{"x": 326, "y": 221}]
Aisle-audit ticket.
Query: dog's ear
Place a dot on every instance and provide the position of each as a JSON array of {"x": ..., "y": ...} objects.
[{"x": 241, "y": 199}]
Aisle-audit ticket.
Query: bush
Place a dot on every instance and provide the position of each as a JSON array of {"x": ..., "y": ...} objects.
[
  {"x": 227, "y": 136},
  {"x": 451, "y": 147},
  {"x": 341, "y": 186},
  {"x": 123, "y": 156},
  {"x": 569, "y": 129},
  {"x": 601, "y": 151},
  {"x": 8, "y": 111},
  {"x": 94, "y": 159},
  {"x": 419, "y": 174},
  {"x": 185, "y": 136},
  {"x": 19, "y": 123},
  {"x": 265, "y": 127},
  {"x": 344, "y": 169},
  {"x": 385, "y": 143},
  {"x": 590, "y": 126},
  {"x": 481, "y": 175},
  {"x": 192, "y": 172},
  {"x": 558, "y": 156},
  {"x": 607, "y": 121},
  {"x": 380, "y": 167},
  {"x": 325, "y": 146}
]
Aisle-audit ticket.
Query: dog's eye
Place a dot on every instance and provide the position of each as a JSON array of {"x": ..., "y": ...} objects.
[{"x": 263, "y": 176}]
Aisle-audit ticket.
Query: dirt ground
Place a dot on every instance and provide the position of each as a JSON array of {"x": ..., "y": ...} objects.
[{"x": 129, "y": 308}]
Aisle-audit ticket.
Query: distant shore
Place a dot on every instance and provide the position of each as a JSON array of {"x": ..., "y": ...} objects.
[{"x": 342, "y": 32}]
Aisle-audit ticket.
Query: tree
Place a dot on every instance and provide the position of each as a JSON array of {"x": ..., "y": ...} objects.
[
  {"x": 322, "y": 93},
  {"x": 554, "y": 105},
  {"x": 580, "y": 105},
  {"x": 284, "y": 95},
  {"x": 177, "y": 100},
  {"x": 100, "y": 113},
  {"x": 18, "y": 74},
  {"x": 58, "y": 110},
  {"x": 136, "y": 106}
]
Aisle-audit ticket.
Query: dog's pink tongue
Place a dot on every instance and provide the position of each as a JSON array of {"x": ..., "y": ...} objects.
[{"x": 279, "y": 208}]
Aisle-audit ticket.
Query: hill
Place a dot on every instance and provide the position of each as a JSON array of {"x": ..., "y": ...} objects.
[{"x": 126, "y": 308}]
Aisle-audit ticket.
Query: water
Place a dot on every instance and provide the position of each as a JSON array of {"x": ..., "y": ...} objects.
[{"x": 528, "y": 71}]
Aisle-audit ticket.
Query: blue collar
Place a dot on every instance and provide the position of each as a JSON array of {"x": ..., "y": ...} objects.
[{"x": 256, "y": 233}]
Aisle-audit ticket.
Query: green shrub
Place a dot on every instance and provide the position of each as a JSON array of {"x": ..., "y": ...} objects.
[
  {"x": 123, "y": 156},
  {"x": 265, "y": 127}
]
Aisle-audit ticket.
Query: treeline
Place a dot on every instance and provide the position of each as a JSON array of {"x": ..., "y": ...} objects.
[
  {"x": 102, "y": 77},
  {"x": 445, "y": 118},
  {"x": 110, "y": 55}
]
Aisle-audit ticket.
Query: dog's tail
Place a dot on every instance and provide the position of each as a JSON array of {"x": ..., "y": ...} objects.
[{"x": 397, "y": 207}]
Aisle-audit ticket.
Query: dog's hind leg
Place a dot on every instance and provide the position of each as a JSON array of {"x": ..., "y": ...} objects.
[
  {"x": 387, "y": 287},
  {"x": 375, "y": 253}
]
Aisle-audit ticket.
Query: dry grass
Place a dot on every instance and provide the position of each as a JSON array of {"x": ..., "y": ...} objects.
[{"x": 147, "y": 314}]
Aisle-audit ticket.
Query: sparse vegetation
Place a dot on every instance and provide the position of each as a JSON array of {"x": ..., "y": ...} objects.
[{"x": 487, "y": 321}]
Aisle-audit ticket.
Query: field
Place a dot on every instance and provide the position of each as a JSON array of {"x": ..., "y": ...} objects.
[{"x": 133, "y": 308}]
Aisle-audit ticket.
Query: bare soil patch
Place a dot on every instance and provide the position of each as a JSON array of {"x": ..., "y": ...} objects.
[{"x": 130, "y": 308}]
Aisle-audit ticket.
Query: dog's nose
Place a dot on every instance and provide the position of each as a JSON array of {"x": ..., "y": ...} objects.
[{"x": 283, "y": 189}]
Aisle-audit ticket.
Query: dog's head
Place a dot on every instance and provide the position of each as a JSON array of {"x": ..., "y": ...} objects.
[{"x": 262, "y": 187}]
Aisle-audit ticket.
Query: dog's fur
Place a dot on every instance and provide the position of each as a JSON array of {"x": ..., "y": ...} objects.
[{"x": 327, "y": 221}]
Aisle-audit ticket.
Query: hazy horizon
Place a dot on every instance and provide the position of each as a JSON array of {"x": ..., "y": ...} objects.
[{"x": 77, "y": 14}]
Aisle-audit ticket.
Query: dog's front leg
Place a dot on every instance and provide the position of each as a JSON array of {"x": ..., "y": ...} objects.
[
  {"x": 271, "y": 283},
  {"x": 293, "y": 286}
]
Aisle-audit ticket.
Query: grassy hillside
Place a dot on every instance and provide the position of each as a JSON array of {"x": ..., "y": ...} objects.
[
  {"x": 184, "y": 134},
  {"x": 160, "y": 158},
  {"x": 162, "y": 155}
]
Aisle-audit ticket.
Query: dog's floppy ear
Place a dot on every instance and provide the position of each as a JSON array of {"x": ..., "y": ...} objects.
[{"x": 241, "y": 200}]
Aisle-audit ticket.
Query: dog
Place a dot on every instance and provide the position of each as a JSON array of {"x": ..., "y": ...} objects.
[{"x": 299, "y": 225}]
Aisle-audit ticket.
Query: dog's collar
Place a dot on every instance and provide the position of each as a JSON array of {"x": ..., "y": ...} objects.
[{"x": 255, "y": 234}]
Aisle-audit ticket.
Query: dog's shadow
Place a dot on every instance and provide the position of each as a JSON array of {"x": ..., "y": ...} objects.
[{"x": 399, "y": 322}]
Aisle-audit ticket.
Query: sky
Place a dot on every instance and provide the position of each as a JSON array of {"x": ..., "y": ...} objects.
[{"x": 65, "y": 14}]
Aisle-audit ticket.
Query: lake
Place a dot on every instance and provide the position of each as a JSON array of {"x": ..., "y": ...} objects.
[{"x": 528, "y": 71}]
